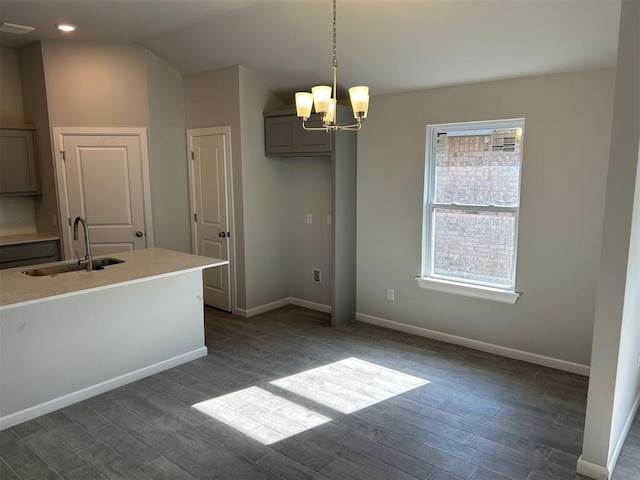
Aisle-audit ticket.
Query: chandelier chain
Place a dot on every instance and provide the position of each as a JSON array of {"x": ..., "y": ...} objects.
[{"x": 335, "y": 58}]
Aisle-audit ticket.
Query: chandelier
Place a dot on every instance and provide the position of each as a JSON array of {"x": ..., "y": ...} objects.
[{"x": 324, "y": 99}]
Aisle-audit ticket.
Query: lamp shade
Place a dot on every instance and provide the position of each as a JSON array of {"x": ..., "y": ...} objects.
[
  {"x": 321, "y": 97},
  {"x": 304, "y": 102},
  {"x": 330, "y": 117},
  {"x": 359, "y": 101}
]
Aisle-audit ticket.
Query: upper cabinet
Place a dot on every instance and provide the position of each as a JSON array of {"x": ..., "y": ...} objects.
[
  {"x": 18, "y": 173},
  {"x": 285, "y": 137}
]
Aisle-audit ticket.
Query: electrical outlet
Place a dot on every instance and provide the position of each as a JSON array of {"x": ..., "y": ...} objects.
[
  {"x": 316, "y": 275},
  {"x": 328, "y": 219},
  {"x": 309, "y": 218},
  {"x": 54, "y": 220},
  {"x": 19, "y": 219},
  {"x": 391, "y": 294}
]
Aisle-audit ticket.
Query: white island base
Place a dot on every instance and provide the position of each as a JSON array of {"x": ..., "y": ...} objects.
[{"x": 60, "y": 350}]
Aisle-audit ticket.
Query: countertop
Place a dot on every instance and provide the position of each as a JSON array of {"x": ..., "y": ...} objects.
[
  {"x": 21, "y": 238},
  {"x": 18, "y": 289}
]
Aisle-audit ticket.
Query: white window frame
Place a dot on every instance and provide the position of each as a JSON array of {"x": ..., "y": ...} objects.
[{"x": 466, "y": 287}]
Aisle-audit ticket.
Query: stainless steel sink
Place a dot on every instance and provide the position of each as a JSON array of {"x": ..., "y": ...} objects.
[{"x": 98, "y": 264}]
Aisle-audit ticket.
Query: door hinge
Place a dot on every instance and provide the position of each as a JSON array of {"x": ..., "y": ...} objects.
[
  {"x": 228, "y": 234},
  {"x": 193, "y": 157},
  {"x": 195, "y": 217},
  {"x": 62, "y": 155},
  {"x": 69, "y": 221}
]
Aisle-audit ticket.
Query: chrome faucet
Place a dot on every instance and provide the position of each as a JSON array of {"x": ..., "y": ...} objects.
[{"x": 88, "y": 259}]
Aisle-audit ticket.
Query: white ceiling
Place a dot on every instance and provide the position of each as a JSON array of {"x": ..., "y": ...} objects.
[{"x": 390, "y": 45}]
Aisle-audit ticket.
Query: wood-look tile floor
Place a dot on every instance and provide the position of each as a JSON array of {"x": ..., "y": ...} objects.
[{"x": 308, "y": 401}]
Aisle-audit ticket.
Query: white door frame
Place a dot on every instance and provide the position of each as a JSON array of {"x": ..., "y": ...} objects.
[
  {"x": 58, "y": 134},
  {"x": 226, "y": 130}
]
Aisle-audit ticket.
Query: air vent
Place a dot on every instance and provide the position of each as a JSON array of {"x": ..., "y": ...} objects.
[
  {"x": 504, "y": 140},
  {"x": 15, "y": 28}
]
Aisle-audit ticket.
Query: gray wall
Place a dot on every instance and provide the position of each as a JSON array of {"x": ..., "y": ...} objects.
[
  {"x": 96, "y": 84},
  {"x": 265, "y": 200},
  {"x": 234, "y": 96},
  {"x": 12, "y": 112},
  {"x": 212, "y": 99},
  {"x": 11, "y": 109},
  {"x": 32, "y": 76},
  {"x": 168, "y": 156},
  {"x": 614, "y": 387},
  {"x": 626, "y": 152},
  {"x": 309, "y": 187},
  {"x": 86, "y": 84},
  {"x": 81, "y": 84},
  {"x": 568, "y": 124}
]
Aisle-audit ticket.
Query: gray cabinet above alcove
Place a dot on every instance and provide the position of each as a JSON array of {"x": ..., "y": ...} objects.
[{"x": 285, "y": 137}]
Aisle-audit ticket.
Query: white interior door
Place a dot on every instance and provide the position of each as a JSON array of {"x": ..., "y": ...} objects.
[
  {"x": 105, "y": 181},
  {"x": 210, "y": 185}
]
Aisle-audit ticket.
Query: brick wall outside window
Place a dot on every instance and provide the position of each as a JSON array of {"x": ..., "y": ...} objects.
[{"x": 475, "y": 245}]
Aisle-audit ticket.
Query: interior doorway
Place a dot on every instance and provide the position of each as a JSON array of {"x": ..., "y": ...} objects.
[
  {"x": 103, "y": 175},
  {"x": 211, "y": 200}
]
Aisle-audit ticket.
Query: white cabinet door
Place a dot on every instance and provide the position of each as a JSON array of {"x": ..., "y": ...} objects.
[
  {"x": 209, "y": 174},
  {"x": 105, "y": 182}
]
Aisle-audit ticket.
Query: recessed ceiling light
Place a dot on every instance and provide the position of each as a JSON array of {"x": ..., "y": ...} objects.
[{"x": 66, "y": 27}]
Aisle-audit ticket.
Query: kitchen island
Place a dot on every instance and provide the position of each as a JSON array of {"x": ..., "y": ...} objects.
[{"x": 68, "y": 337}]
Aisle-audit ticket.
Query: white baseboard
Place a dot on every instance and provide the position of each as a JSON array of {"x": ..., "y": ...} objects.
[
  {"x": 477, "y": 345},
  {"x": 423, "y": 332},
  {"x": 262, "y": 308},
  {"x": 615, "y": 453},
  {"x": 281, "y": 303},
  {"x": 310, "y": 305},
  {"x": 74, "y": 397},
  {"x": 592, "y": 470}
]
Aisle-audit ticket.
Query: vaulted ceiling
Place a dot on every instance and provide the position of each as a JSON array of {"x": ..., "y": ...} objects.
[{"x": 390, "y": 45}]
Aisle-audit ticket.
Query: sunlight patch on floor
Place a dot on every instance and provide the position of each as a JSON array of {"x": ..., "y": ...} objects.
[
  {"x": 262, "y": 415},
  {"x": 345, "y": 387},
  {"x": 349, "y": 385}
]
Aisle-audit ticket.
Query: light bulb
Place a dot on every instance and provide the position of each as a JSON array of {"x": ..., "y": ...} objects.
[
  {"x": 321, "y": 97},
  {"x": 359, "y": 101},
  {"x": 330, "y": 117},
  {"x": 304, "y": 102},
  {"x": 66, "y": 27}
]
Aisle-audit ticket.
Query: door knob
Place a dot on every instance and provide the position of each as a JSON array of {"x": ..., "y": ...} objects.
[
  {"x": 139, "y": 233},
  {"x": 222, "y": 234}
]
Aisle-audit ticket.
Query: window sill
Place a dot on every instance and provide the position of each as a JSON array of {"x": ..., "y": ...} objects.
[{"x": 467, "y": 290}]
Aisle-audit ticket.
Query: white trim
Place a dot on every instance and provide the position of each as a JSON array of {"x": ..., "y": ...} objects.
[
  {"x": 615, "y": 453},
  {"x": 74, "y": 397},
  {"x": 283, "y": 303},
  {"x": 58, "y": 134},
  {"x": 429, "y": 191},
  {"x": 592, "y": 470},
  {"x": 226, "y": 132},
  {"x": 468, "y": 290},
  {"x": 600, "y": 472},
  {"x": 477, "y": 345},
  {"x": 263, "y": 308},
  {"x": 319, "y": 307},
  {"x": 232, "y": 223},
  {"x": 424, "y": 332},
  {"x": 480, "y": 124}
]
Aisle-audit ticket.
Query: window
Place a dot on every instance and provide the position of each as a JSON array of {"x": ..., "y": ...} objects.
[{"x": 472, "y": 198}]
